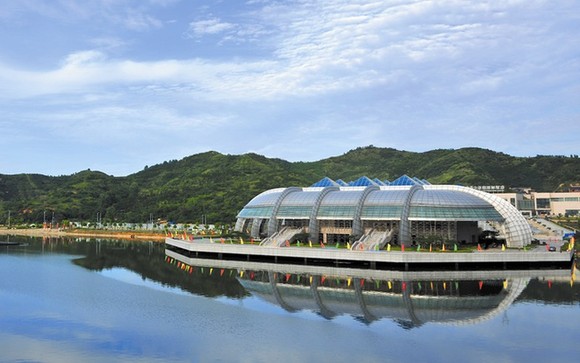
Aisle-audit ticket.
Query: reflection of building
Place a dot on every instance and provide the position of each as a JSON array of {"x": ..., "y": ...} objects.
[
  {"x": 411, "y": 298},
  {"x": 406, "y": 211},
  {"x": 410, "y": 303}
]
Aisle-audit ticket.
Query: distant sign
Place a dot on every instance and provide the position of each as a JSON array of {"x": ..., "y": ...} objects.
[{"x": 490, "y": 188}]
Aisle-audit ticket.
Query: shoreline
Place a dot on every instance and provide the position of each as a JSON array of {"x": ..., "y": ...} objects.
[{"x": 40, "y": 232}]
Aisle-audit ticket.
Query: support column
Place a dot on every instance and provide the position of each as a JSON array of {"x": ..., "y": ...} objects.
[
  {"x": 273, "y": 222},
  {"x": 313, "y": 225},
  {"x": 405, "y": 226}
]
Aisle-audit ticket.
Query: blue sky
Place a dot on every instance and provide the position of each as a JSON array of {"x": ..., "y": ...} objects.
[{"x": 117, "y": 85}]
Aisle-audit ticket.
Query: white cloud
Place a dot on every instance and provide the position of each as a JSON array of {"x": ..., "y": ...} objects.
[
  {"x": 208, "y": 27},
  {"x": 360, "y": 72}
]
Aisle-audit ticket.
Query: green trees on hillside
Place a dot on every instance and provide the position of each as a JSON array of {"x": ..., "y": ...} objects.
[{"x": 213, "y": 187}]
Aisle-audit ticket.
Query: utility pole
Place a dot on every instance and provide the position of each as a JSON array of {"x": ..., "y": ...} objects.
[{"x": 8, "y": 219}]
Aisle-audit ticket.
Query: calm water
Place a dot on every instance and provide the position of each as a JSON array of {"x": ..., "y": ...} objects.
[{"x": 88, "y": 301}]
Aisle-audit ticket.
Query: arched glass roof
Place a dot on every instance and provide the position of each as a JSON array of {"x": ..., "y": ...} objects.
[
  {"x": 450, "y": 198},
  {"x": 387, "y": 196},
  {"x": 267, "y": 198},
  {"x": 305, "y": 198},
  {"x": 349, "y": 197},
  {"x": 340, "y": 204}
]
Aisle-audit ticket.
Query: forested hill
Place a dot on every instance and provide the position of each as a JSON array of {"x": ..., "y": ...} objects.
[{"x": 217, "y": 186}]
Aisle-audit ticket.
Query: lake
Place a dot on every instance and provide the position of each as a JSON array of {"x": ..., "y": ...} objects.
[{"x": 68, "y": 300}]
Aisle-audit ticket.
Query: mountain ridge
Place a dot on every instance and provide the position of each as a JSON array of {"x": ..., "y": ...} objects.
[{"x": 214, "y": 187}]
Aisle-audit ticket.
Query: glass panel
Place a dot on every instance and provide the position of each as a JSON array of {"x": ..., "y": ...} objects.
[
  {"x": 301, "y": 198},
  {"x": 256, "y": 212},
  {"x": 337, "y": 211},
  {"x": 290, "y": 211},
  {"x": 381, "y": 212},
  {"x": 428, "y": 212},
  {"x": 543, "y": 203}
]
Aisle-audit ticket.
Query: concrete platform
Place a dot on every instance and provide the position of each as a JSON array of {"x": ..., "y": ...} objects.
[{"x": 393, "y": 260}]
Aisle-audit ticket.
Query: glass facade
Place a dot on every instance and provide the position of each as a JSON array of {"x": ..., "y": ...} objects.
[
  {"x": 256, "y": 212},
  {"x": 382, "y": 212},
  {"x": 543, "y": 203},
  {"x": 364, "y": 206},
  {"x": 454, "y": 213},
  {"x": 336, "y": 211},
  {"x": 292, "y": 211}
]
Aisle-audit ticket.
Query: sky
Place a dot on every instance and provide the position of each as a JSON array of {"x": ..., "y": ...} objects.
[{"x": 117, "y": 85}]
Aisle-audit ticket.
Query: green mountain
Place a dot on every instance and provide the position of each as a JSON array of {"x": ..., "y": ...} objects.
[{"x": 216, "y": 186}]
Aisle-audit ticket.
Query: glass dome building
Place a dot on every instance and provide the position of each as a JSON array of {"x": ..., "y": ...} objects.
[{"x": 371, "y": 213}]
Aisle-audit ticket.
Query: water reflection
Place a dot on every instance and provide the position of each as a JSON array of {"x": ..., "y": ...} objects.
[
  {"x": 116, "y": 258},
  {"x": 411, "y": 299}
]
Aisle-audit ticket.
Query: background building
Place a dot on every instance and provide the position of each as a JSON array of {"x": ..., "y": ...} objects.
[{"x": 531, "y": 203}]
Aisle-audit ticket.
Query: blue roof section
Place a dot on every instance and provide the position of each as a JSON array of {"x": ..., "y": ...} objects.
[
  {"x": 404, "y": 180},
  {"x": 379, "y": 182},
  {"x": 363, "y": 181},
  {"x": 325, "y": 182}
]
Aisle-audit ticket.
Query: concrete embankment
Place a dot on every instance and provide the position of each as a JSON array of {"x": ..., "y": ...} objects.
[{"x": 372, "y": 259}]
